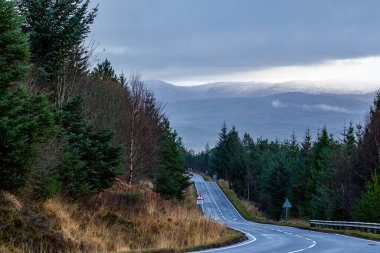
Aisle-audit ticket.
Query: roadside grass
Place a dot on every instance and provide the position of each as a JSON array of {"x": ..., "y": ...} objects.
[
  {"x": 205, "y": 177},
  {"x": 120, "y": 219},
  {"x": 354, "y": 233},
  {"x": 245, "y": 208},
  {"x": 250, "y": 212},
  {"x": 233, "y": 237}
]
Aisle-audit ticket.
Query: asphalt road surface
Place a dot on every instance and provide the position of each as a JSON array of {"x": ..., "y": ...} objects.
[{"x": 272, "y": 238}]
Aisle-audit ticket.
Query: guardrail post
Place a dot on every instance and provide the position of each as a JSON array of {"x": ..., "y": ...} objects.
[{"x": 361, "y": 226}]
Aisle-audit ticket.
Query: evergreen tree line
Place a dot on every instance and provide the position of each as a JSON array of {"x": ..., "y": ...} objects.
[
  {"x": 69, "y": 128},
  {"x": 325, "y": 178}
]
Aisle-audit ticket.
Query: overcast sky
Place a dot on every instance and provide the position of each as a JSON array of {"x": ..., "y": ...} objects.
[{"x": 195, "y": 41}]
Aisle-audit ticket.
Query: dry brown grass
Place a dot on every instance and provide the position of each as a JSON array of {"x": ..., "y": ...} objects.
[
  {"x": 118, "y": 220},
  {"x": 249, "y": 211},
  {"x": 10, "y": 201},
  {"x": 296, "y": 222},
  {"x": 82, "y": 227}
]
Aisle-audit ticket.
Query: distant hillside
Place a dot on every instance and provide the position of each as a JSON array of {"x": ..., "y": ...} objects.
[
  {"x": 267, "y": 110},
  {"x": 169, "y": 92}
]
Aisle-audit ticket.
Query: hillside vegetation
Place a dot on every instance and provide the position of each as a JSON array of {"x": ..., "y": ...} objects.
[
  {"x": 250, "y": 212},
  {"x": 327, "y": 177},
  {"x": 196, "y": 110},
  {"x": 120, "y": 219},
  {"x": 77, "y": 142}
]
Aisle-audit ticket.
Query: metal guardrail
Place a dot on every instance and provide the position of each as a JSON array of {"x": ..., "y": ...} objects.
[{"x": 362, "y": 226}]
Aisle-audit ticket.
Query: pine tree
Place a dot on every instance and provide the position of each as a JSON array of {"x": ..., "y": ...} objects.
[
  {"x": 219, "y": 155},
  {"x": 359, "y": 134},
  {"x": 122, "y": 80},
  {"x": 91, "y": 161},
  {"x": 277, "y": 187},
  {"x": 323, "y": 142},
  {"x": 293, "y": 145},
  {"x": 57, "y": 30},
  {"x": 302, "y": 183},
  {"x": 307, "y": 143},
  {"x": 24, "y": 119},
  {"x": 236, "y": 164},
  {"x": 375, "y": 106},
  {"x": 170, "y": 180},
  {"x": 323, "y": 174},
  {"x": 367, "y": 208},
  {"x": 207, "y": 152},
  {"x": 105, "y": 70},
  {"x": 249, "y": 147},
  {"x": 369, "y": 149},
  {"x": 349, "y": 137},
  {"x": 248, "y": 143},
  {"x": 14, "y": 46}
]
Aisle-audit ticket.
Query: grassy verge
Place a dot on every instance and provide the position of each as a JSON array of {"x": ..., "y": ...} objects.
[
  {"x": 250, "y": 212},
  {"x": 232, "y": 238},
  {"x": 246, "y": 209},
  {"x": 205, "y": 177},
  {"x": 229, "y": 238},
  {"x": 354, "y": 233},
  {"x": 121, "y": 219}
]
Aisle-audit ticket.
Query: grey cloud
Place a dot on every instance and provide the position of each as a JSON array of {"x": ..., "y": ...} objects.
[
  {"x": 182, "y": 37},
  {"x": 328, "y": 108},
  {"x": 278, "y": 104}
]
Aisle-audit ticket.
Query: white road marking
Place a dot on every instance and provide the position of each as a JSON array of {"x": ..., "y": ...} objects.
[
  {"x": 297, "y": 251},
  {"x": 251, "y": 238},
  {"x": 228, "y": 201},
  {"x": 311, "y": 246},
  {"x": 314, "y": 243},
  {"x": 300, "y": 250},
  {"x": 361, "y": 239},
  {"x": 215, "y": 202}
]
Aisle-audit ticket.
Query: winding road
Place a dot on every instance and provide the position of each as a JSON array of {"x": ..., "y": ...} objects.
[{"x": 272, "y": 238}]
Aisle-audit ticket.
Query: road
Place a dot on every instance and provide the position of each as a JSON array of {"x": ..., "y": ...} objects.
[{"x": 272, "y": 238}]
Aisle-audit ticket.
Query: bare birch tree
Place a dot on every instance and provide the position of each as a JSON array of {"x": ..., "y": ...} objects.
[{"x": 142, "y": 130}]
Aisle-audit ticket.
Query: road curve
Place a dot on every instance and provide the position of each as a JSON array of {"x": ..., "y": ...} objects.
[{"x": 272, "y": 238}]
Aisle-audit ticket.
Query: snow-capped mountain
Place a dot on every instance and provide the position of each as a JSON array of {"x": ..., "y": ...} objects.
[
  {"x": 168, "y": 92},
  {"x": 262, "y": 109}
]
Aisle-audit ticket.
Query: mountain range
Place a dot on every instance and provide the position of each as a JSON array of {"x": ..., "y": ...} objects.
[{"x": 265, "y": 110}]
